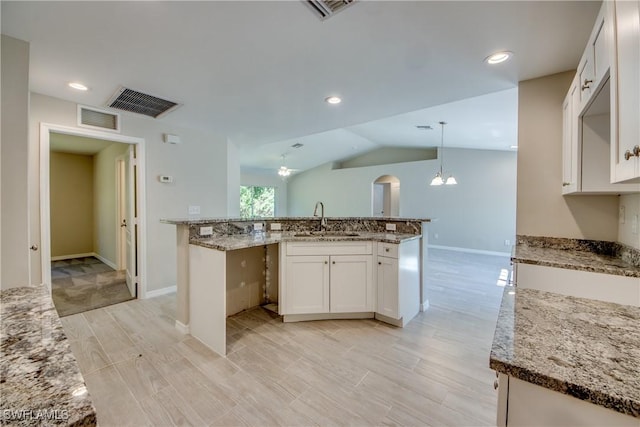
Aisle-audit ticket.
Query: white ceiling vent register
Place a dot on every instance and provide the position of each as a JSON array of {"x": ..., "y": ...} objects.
[
  {"x": 94, "y": 118},
  {"x": 325, "y": 9},
  {"x": 141, "y": 103}
]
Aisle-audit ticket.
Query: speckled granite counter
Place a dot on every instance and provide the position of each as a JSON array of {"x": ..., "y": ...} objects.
[
  {"x": 583, "y": 348},
  {"x": 40, "y": 382},
  {"x": 585, "y": 255},
  {"x": 241, "y": 241}
]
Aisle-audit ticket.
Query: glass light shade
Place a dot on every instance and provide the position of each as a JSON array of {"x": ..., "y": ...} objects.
[
  {"x": 451, "y": 180},
  {"x": 284, "y": 171},
  {"x": 437, "y": 180}
]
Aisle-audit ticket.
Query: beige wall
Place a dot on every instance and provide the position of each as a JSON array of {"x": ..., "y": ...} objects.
[
  {"x": 105, "y": 221},
  {"x": 71, "y": 195},
  {"x": 541, "y": 208},
  {"x": 631, "y": 203},
  {"x": 15, "y": 241}
]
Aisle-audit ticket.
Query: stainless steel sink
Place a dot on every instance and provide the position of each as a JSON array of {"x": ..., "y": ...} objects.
[{"x": 326, "y": 234}]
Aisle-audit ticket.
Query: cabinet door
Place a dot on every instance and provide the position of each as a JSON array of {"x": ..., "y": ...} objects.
[
  {"x": 585, "y": 73},
  {"x": 625, "y": 123},
  {"x": 387, "y": 270},
  {"x": 307, "y": 289},
  {"x": 570, "y": 137},
  {"x": 351, "y": 284}
]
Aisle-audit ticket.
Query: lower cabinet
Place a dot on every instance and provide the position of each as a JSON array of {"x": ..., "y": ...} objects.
[
  {"x": 324, "y": 283},
  {"x": 521, "y": 403},
  {"x": 388, "y": 287}
]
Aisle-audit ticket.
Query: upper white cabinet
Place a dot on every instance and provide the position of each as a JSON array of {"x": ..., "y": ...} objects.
[
  {"x": 625, "y": 99},
  {"x": 594, "y": 120}
]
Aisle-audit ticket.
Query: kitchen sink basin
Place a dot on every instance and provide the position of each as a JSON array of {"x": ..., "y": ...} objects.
[{"x": 326, "y": 234}]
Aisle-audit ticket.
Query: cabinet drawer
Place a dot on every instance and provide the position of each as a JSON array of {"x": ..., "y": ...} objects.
[
  {"x": 389, "y": 250},
  {"x": 332, "y": 248}
]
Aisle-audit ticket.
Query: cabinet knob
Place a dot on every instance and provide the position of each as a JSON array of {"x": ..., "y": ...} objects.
[
  {"x": 566, "y": 184},
  {"x": 379, "y": 263},
  {"x": 495, "y": 384},
  {"x": 386, "y": 249},
  {"x": 635, "y": 153},
  {"x": 326, "y": 262},
  {"x": 333, "y": 262},
  {"x": 587, "y": 84}
]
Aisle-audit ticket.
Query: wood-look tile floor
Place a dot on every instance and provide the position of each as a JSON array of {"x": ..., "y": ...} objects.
[{"x": 141, "y": 371}]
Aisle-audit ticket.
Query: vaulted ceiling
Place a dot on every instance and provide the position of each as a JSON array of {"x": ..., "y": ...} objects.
[{"x": 259, "y": 71}]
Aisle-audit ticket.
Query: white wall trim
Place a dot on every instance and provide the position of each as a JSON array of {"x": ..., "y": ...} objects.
[
  {"x": 468, "y": 250},
  {"x": 182, "y": 328},
  {"x": 159, "y": 292},
  {"x": 63, "y": 257},
  {"x": 106, "y": 261},
  {"x": 45, "y": 219}
]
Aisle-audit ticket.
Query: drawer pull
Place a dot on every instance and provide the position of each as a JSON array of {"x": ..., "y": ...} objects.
[
  {"x": 495, "y": 384},
  {"x": 587, "y": 84},
  {"x": 566, "y": 184}
]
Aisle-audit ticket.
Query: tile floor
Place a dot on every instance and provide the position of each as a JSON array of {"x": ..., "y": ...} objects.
[
  {"x": 141, "y": 371},
  {"x": 82, "y": 284}
]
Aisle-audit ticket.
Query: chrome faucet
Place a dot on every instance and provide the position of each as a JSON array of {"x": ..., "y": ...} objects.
[{"x": 323, "y": 220}]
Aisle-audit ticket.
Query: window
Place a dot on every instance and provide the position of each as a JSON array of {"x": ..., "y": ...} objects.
[{"x": 257, "y": 202}]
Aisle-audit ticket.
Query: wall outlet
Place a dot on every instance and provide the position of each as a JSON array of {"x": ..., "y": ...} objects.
[
  {"x": 621, "y": 214},
  {"x": 257, "y": 226},
  {"x": 194, "y": 210},
  {"x": 391, "y": 227},
  {"x": 206, "y": 231},
  {"x": 507, "y": 242},
  {"x": 276, "y": 226}
]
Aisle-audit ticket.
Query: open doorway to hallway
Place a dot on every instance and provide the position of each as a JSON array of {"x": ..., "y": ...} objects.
[{"x": 92, "y": 226}]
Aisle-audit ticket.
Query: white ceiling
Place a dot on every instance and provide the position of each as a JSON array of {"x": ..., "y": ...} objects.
[{"x": 258, "y": 72}]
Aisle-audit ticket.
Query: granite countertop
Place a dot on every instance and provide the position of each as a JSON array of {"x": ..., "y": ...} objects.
[
  {"x": 195, "y": 220},
  {"x": 584, "y": 348},
  {"x": 592, "y": 256},
  {"x": 242, "y": 241},
  {"x": 39, "y": 376}
]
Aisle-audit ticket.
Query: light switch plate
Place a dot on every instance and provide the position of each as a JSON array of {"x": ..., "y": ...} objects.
[
  {"x": 276, "y": 226},
  {"x": 257, "y": 226},
  {"x": 391, "y": 227},
  {"x": 206, "y": 231},
  {"x": 194, "y": 210}
]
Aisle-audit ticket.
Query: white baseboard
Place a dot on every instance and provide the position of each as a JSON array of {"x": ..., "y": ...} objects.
[
  {"x": 182, "y": 328},
  {"x": 472, "y": 251},
  {"x": 63, "y": 257},
  {"x": 159, "y": 292},
  {"x": 424, "y": 306},
  {"x": 106, "y": 261}
]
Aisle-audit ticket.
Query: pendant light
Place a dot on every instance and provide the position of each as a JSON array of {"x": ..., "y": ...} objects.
[
  {"x": 439, "y": 178},
  {"x": 284, "y": 171}
]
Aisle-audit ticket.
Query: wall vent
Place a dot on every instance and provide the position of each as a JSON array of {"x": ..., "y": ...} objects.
[
  {"x": 325, "y": 9},
  {"x": 141, "y": 103},
  {"x": 94, "y": 118}
]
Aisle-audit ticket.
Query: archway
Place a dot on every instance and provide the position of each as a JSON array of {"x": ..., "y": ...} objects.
[{"x": 385, "y": 200}]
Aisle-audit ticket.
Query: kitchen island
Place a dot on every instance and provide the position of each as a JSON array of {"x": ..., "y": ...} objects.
[{"x": 223, "y": 262}]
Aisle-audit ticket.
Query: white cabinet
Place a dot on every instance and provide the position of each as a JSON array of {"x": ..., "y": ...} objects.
[
  {"x": 570, "y": 136},
  {"x": 334, "y": 277},
  {"x": 309, "y": 289},
  {"x": 398, "y": 281},
  {"x": 591, "y": 117},
  {"x": 387, "y": 281},
  {"x": 351, "y": 284},
  {"x": 532, "y": 405},
  {"x": 625, "y": 99}
]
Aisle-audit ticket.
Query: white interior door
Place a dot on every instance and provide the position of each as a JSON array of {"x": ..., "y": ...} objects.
[
  {"x": 378, "y": 200},
  {"x": 130, "y": 223}
]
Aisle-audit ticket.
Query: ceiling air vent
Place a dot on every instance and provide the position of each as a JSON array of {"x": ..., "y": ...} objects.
[
  {"x": 98, "y": 119},
  {"x": 325, "y": 9},
  {"x": 141, "y": 103}
]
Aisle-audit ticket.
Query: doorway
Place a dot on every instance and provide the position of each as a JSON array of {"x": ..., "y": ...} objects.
[
  {"x": 117, "y": 252},
  {"x": 385, "y": 200}
]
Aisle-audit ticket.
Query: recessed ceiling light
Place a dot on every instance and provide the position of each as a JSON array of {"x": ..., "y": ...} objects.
[
  {"x": 333, "y": 100},
  {"x": 498, "y": 57},
  {"x": 78, "y": 86}
]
